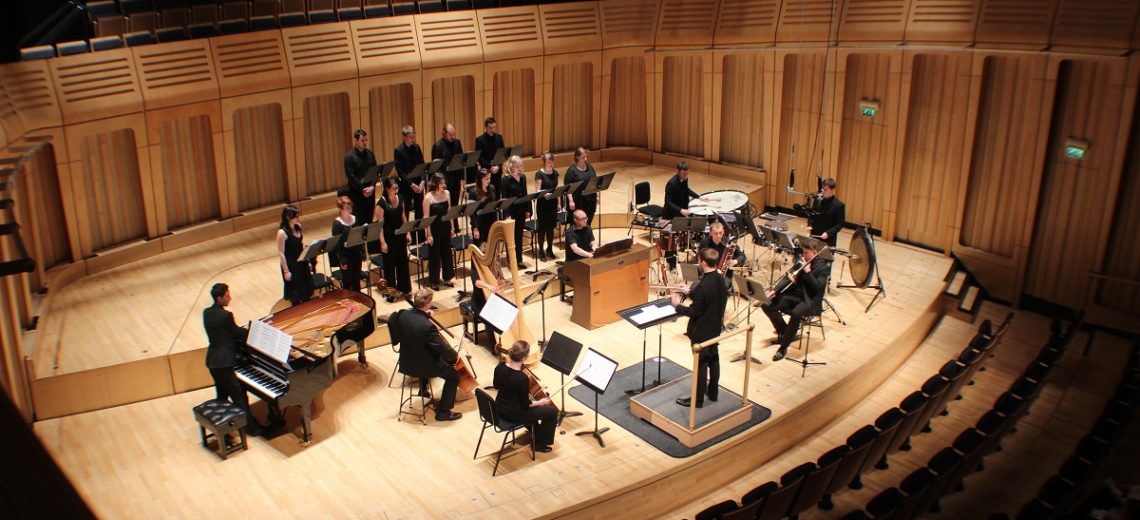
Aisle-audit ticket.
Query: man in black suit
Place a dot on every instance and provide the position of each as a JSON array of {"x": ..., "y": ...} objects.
[
  {"x": 407, "y": 156},
  {"x": 706, "y": 321},
  {"x": 829, "y": 215},
  {"x": 444, "y": 149},
  {"x": 357, "y": 162},
  {"x": 677, "y": 195},
  {"x": 224, "y": 336},
  {"x": 803, "y": 297},
  {"x": 425, "y": 355},
  {"x": 489, "y": 143}
]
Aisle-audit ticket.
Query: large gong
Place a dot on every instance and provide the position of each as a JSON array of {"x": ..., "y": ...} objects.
[{"x": 862, "y": 263}]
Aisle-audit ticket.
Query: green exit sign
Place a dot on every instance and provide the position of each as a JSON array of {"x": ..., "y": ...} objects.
[
  {"x": 869, "y": 111},
  {"x": 1075, "y": 149}
]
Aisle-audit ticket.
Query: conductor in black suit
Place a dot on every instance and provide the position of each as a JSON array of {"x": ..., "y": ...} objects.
[
  {"x": 830, "y": 214},
  {"x": 706, "y": 321},
  {"x": 802, "y": 297},
  {"x": 224, "y": 336},
  {"x": 425, "y": 355}
]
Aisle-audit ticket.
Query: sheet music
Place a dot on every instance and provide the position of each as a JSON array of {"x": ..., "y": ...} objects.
[
  {"x": 652, "y": 313},
  {"x": 596, "y": 370},
  {"x": 498, "y": 312},
  {"x": 269, "y": 340}
]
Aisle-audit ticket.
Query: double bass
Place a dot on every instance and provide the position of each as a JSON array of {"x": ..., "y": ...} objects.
[{"x": 489, "y": 264}]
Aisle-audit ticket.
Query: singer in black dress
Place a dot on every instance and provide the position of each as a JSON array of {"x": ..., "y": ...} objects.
[
  {"x": 394, "y": 248},
  {"x": 348, "y": 258},
  {"x": 582, "y": 170},
  {"x": 295, "y": 275},
  {"x": 436, "y": 203},
  {"x": 546, "y": 209},
  {"x": 514, "y": 185},
  {"x": 514, "y": 399},
  {"x": 483, "y": 191}
]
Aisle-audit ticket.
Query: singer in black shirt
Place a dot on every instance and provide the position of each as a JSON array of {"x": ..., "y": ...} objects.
[
  {"x": 488, "y": 144},
  {"x": 357, "y": 162},
  {"x": 444, "y": 149},
  {"x": 407, "y": 156},
  {"x": 829, "y": 214}
]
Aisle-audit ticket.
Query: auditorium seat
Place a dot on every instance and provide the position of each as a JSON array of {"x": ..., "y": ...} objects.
[
  {"x": 234, "y": 18},
  {"x": 716, "y": 511},
  {"x": 759, "y": 494},
  {"x": 430, "y": 6},
  {"x": 39, "y": 52},
  {"x": 349, "y": 10},
  {"x": 138, "y": 38},
  {"x": 747, "y": 512},
  {"x": 171, "y": 34},
  {"x": 1076, "y": 470},
  {"x": 779, "y": 503},
  {"x": 134, "y": 6},
  {"x": 485, "y": 4},
  {"x": 263, "y": 14},
  {"x": 321, "y": 11},
  {"x": 377, "y": 8},
  {"x": 914, "y": 486},
  {"x": 952, "y": 372},
  {"x": 911, "y": 406},
  {"x": 886, "y": 504},
  {"x": 145, "y": 21},
  {"x": 403, "y": 7},
  {"x": 292, "y": 13},
  {"x": 106, "y": 43},
  {"x": 943, "y": 466},
  {"x": 885, "y": 427},
  {"x": 102, "y": 8},
  {"x": 933, "y": 388},
  {"x": 69, "y": 48},
  {"x": 111, "y": 25},
  {"x": 816, "y": 482},
  {"x": 1058, "y": 493},
  {"x": 179, "y": 17},
  {"x": 1036, "y": 510},
  {"x": 458, "y": 5},
  {"x": 857, "y": 443}
]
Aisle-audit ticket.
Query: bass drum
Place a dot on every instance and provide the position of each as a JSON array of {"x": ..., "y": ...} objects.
[{"x": 862, "y": 262}]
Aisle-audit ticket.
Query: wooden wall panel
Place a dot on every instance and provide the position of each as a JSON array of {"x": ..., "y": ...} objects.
[
  {"x": 250, "y": 62},
  {"x": 320, "y": 54},
  {"x": 1022, "y": 24},
  {"x": 513, "y": 104},
  {"x": 682, "y": 105},
  {"x": 629, "y": 23},
  {"x": 1103, "y": 24},
  {"x": 572, "y": 115},
  {"x": 385, "y": 45},
  {"x": 390, "y": 108},
  {"x": 1123, "y": 244},
  {"x": 13, "y": 376},
  {"x": 176, "y": 73},
  {"x": 188, "y": 165},
  {"x": 743, "y": 22},
  {"x": 28, "y": 86},
  {"x": 1072, "y": 210},
  {"x": 742, "y": 107},
  {"x": 801, "y": 114},
  {"x": 933, "y": 155},
  {"x": 510, "y": 33},
  {"x": 97, "y": 85},
  {"x": 943, "y": 21},
  {"x": 808, "y": 21},
  {"x": 260, "y": 167},
  {"x": 450, "y": 38},
  {"x": 453, "y": 101},
  {"x": 873, "y": 20},
  {"x": 866, "y": 169},
  {"x": 627, "y": 124},
  {"x": 1002, "y": 178},
  {"x": 111, "y": 185},
  {"x": 328, "y": 126},
  {"x": 574, "y": 27},
  {"x": 686, "y": 22},
  {"x": 42, "y": 200}
]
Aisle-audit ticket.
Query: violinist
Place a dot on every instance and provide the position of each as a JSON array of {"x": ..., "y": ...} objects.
[
  {"x": 515, "y": 402},
  {"x": 425, "y": 355},
  {"x": 716, "y": 240},
  {"x": 797, "y": 296}
]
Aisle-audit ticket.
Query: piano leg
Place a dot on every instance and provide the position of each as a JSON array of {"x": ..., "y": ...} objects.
[{"x": 306, "y": 424}]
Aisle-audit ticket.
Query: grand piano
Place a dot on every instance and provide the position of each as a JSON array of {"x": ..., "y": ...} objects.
[{"x": 321, "y": 328}]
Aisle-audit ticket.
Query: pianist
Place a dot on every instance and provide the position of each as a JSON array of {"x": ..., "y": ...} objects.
[
  {"x": 580, "y": 241},
  {"x": 221, "y": 355},
  {"x": 425, "y": 355}
]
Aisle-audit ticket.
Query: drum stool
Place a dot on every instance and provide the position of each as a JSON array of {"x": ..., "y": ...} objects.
[{"x": 221, "y": 417}]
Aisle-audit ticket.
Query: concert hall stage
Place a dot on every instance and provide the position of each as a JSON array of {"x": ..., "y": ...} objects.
[{"x": 133, "y": 333}]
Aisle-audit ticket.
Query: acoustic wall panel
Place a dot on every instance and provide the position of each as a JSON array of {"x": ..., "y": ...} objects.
[
  {"x": 865, "y": 143},
  {"x": 189, "y": 174},
  {"x": 741, "y": 22},
  {"x": 942, "y": 20},
  {"x": 327, "y": 132},
  {"x": 873, "y": 20},
  {"x": 801, "y": 124},
  {"x": 386, "y": 45},
  {"x": 1072, "y": 211},
  {"x": 320, "y": 54},
  {"x": 686, "y": 22},
  {"x": 390, "y": 108},
  {"x": 1123, "y": 233},
  {"x": 250, "y": 62},
  {"x": 682, "y": 106},
  {"x": 513, "y": 103},
  {"x": 1104, "y": 24},
  {"x": 571, "y": 118},
  {"x": 510, "y": 33},
  {"x": 259, "y": 133},
  {"x": 112, "y": 189},
  {"x": 574, "y": 27},
  {"x": 627, "y": 114},
  {"x": 97, "y": 85},
  {"x": 1016, "y": 23},
  {"x": 28, "y": 87},
  {"x": 451, "y": 38},
  {"x": 453, "y": 101},
  {"x": 808, "y": 21},
  {"x": 742, "y": 110},
  {"x": 628, "y": 23}
]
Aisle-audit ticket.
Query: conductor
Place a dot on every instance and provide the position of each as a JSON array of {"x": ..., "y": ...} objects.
[
  {"x": 706, "y": 321},
  {"x": 425, "y": 355}
]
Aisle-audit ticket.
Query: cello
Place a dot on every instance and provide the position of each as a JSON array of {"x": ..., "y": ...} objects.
[{"x": 488, "y": 263}]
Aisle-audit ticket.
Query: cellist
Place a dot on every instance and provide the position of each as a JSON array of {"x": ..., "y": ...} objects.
[{"x": 515, "y": 402}]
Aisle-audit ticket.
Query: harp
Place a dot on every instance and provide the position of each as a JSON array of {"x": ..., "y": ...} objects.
[{"x": 497, "y": 262}]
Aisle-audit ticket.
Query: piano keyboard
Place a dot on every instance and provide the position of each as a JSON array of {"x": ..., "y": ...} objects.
[{"x": 260, "y": 379}]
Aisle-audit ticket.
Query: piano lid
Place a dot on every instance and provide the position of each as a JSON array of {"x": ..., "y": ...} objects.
[{"x": 311, "y": 323}]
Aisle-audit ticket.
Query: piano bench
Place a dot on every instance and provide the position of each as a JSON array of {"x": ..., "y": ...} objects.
[{"x": 221, "y": 418}]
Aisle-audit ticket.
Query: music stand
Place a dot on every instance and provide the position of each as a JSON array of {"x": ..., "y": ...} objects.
[
  {"x": 433, "y": 167},
  {"x": 597, "y": 185},
  {"x": 355, "y": 237},
  {"x": 465, "y": 211},
  {"x": 560, "y": 354},
  {"x": 643, "y": 317},
  {"x": 494, "y": 206},
  {"x": 754, "y": 294},
  {"x": 528, "y": 199},
  {"x": 541, "y": 289},
  {"x": 597, "y": 374},
  {"x": 384, "y": 170},
  {"x": 416, "y": 226}
]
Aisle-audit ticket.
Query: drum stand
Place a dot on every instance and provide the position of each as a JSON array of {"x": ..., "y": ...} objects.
[{"x": 878, "y": 285}]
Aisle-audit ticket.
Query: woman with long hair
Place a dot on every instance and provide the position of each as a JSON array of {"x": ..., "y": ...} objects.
[
  {"x": 295, "y": 274},
  {"x": 582, "y": 170},
  {"x": 515, "y": 402},
  {"x": 394, "y": 247},
  {"x": 437, "y": 201},
  {"x": 348, "y": 258},
  {"x": 546, "y": 208},
  {"x": 514, "y": 185},
  {"x": 482, "y": 191}
]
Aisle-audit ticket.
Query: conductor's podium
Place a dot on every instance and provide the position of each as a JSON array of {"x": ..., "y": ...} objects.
[{"x": 603, "y": 286}]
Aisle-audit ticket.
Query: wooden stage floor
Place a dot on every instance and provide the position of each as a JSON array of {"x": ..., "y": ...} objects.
[{"x": 145, "y": 460}]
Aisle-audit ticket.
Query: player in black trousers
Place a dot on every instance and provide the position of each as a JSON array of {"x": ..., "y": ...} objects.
[{"x": 515, "y": 402}]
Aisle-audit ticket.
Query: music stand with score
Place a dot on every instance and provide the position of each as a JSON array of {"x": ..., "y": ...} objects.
[
  {"x": 595, "y": 372},
  {"x": 643, "y": 317},
  {"x": 597, "y": 185},
  {"x": 755, "y": 294},
  {"x": 415, "y": 226},
  {"x": 461, "y": 242},
  {"x": 362, "y": 235},
  {"x": 561, "y": 354}
]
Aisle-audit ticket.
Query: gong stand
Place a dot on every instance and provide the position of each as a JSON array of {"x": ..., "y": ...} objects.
[{"x": 863, "y": 263}]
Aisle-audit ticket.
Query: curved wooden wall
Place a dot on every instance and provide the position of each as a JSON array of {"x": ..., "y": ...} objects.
[{"x": 151, "y": 145}]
